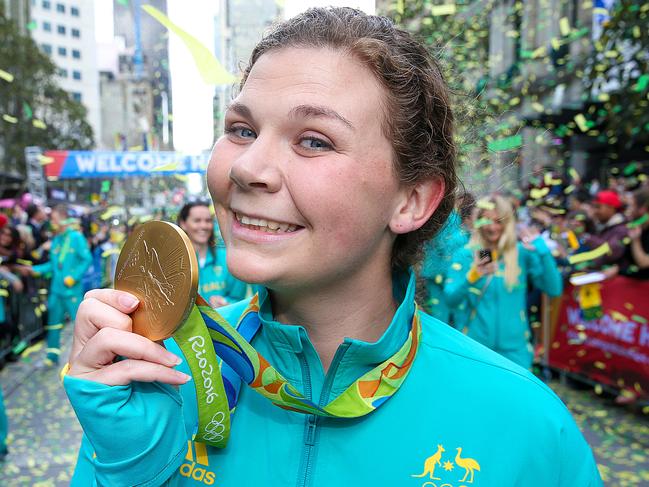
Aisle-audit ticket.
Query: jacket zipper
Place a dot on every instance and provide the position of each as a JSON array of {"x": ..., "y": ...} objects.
[{"x": 311, "y": 423}]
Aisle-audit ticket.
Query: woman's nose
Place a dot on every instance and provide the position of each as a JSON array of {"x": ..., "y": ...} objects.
[{"x": 256, "y": 168}]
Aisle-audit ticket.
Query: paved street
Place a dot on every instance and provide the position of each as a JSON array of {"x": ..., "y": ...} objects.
[{"x": 44, "y": 433}]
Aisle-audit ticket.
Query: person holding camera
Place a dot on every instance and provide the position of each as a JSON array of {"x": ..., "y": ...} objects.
[{"x": 492, "y": 273}]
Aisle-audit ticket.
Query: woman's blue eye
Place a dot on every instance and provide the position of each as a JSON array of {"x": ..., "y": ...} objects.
[
  {"x": 315, "y": 144},
  {"x": 242, "y": 132}
]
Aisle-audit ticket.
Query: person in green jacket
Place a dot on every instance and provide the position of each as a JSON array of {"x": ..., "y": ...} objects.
[
  {"x": 496, "y": 284},
  {"x": 337, "y": 164},
  {"x": 70, "y": 258},
  {"x": 215, "y": 283}
]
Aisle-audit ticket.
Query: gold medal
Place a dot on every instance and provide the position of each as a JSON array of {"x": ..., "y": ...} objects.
[{"x": 158, "y": 265}]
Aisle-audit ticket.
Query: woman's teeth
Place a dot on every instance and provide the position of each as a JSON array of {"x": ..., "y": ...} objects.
[{"x": 265, "y": 225}]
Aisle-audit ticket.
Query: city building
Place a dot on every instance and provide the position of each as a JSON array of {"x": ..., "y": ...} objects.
[
  {"x": 65, "y": 30},
  {"x": 143, "y": 64},
  {"x": 238, "y": 26}
]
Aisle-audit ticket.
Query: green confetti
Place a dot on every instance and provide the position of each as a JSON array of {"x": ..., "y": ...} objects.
[
  {"x": 27, "y": 110},
  {"x": 638, "y": 221},
  {"x": 505, "y": 144},
  {"x": 643, "y": 82},
  {"x": 481, "y": 222}
]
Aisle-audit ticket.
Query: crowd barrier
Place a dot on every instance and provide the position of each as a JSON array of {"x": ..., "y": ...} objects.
[
  {"x": 26, "y": 312},
  {"x": 611, "y": 348},
  {"x": 25, "y": 315}
]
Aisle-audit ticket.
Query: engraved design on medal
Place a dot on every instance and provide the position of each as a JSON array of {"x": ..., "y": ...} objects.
[{"x": 155, "y": 280}]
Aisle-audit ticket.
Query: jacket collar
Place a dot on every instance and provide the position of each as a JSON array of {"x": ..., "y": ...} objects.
[{"x": 359, "y": 356}]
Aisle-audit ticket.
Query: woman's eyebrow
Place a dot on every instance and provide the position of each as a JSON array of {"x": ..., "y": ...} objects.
[
  {"x": 240, "y": 109},
  {"x": 315, "y": 111}
]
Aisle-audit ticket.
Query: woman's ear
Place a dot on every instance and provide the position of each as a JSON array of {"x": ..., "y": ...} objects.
[{"x": 417, "y": 205}]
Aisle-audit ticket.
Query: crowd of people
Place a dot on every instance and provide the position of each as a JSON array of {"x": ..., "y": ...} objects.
[{"x": 485, "y": 271}]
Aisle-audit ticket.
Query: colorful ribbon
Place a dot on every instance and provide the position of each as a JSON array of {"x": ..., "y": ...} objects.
[{"x": 242, "y": 362}]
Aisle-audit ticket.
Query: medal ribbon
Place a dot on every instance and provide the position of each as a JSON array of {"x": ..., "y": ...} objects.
[
  {"x": 213, "y": 412},
  {"x": 240, "y": 361},
  {"x": 362, "y": 397}
]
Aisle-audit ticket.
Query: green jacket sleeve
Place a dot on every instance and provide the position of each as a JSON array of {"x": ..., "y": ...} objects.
[
  {"x": 456, "y": 285},
  {"x": 43, "y": 269},
  {"x": 82, "y": 256},
  {"x": 543, "y": 269},
  {"x": 137, "y": 432}
]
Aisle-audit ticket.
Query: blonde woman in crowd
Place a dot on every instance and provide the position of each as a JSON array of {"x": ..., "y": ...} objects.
[{"x": 492, "y": 273}]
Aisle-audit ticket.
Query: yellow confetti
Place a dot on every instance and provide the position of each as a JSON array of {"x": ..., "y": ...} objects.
[
  {"x": 600, "y": 365},
  {"x": 8, "y": 77},
  {"x": 590, "y": 255},
  {"x": 581, "y": 122},
  {"x": 45, "y": 160},
  {"x": 9, "y": 118},
  {"x": 486, "y": 205},
  {"x": 211, "y": 71},
  {"x": 617, "y": 316},
  {"x": 447, "y": 9},
  {"x": 39, "y": 124},
  {"x": 172, "y": 166},
  {"x": 540, "y": 51},
  {"x": 108, "y": 252},
  {"x": 598, "y": 389},
  {"x": 564, "y": 26},
  {"x": 537, "y": 193},
  {"x": 110, "y": 212},
  {"x": 538, "y": 107}
]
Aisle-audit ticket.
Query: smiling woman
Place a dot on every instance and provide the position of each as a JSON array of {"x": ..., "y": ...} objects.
[
  {"x": 216, "y": 284},
  {"x": 337, "y": 163}
]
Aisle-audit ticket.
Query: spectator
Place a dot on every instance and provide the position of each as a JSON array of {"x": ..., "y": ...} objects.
[
  {"x": 637, "y": 252},
  {"x": 610, "y": 228},
  {"x": 69, "y": 259},
  {"x": 216, "y": 284},
  {"x": 36, "y": 218},
  {"x": 492, "y": 273}
]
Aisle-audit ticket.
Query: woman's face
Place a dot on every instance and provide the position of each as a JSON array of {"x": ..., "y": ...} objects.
[
  {"x": 6, "y": 238},
  {"x": 303, "y": 181},
  {"x": 199, "y": 225},
  {"x": 492, "y": 232}
]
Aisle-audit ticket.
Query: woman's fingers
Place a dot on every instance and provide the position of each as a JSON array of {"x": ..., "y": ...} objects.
[
  {"x": 108, "y": 342},
  {"x": 129, "y": 370},
  {"x": 120, "y": 300},
  {"x": 101, "y": 308},
  {"x": 145, "y": 360}
]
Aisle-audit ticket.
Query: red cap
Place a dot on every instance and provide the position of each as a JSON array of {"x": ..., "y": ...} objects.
[
  {"x": 609, "y": 198},
  {"x": 3, "y": 220}
]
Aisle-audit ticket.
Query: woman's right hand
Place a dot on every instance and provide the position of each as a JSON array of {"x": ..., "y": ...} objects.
[
  {"x": 484, "y": 266},
  {"x": 103, "y": 332}
]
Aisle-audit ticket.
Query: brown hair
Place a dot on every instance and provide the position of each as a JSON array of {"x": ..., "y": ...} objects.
[
  {"x": 641, "y": 197},
  {"x": 418, "y": 117}
]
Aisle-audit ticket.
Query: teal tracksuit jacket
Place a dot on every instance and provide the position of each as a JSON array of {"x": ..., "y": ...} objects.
[
  {"x": 464, "y": 416},
  {"x": 69, "y": 256},
  {"x": 215, "y": 280},
  {"x": 497, "y": 316}
]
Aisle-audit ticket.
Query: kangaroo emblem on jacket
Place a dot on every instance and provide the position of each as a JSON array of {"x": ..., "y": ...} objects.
[{"x": 469, "y": 465}]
